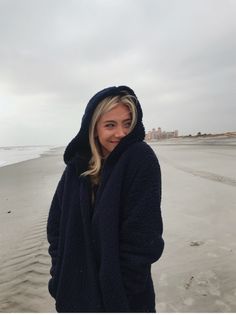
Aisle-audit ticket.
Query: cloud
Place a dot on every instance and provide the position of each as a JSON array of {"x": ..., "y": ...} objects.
[{"x": 178, "y": 56}]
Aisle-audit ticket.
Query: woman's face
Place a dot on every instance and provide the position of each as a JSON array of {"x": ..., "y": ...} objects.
[{"x": 112, "y": 127}]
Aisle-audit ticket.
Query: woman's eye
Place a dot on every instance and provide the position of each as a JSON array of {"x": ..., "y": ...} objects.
[
  {"x": 127, "y": 125},
  {"x": 109, "y": 125}
]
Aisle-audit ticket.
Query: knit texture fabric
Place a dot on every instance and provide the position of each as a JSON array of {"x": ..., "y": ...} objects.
[{"x": 101, "y": 260}]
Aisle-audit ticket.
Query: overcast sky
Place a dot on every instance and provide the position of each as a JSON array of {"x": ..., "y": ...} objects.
[{"x": 179, "y": 56}]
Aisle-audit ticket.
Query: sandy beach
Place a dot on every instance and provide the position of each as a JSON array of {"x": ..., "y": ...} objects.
[
  {"x": 26, "y": 190},
  {"x": 197, "y": 270}
]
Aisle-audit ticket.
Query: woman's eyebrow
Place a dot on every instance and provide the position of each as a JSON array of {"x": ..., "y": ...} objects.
[
  {"x": 114, "y": 121},
  {"x": 109, "y": 121}
]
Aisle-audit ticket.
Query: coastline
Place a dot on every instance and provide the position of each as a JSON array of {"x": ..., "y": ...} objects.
[{"x": 14, "y": 154}]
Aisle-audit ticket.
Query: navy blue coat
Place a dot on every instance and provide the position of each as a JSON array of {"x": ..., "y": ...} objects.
[{"x": 102, "y": 255}]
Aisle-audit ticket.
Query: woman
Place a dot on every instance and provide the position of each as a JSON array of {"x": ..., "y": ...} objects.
[{"x": 104, "y": 225}]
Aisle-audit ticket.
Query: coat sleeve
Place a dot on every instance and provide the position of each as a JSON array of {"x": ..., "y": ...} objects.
[
  {"x": 53, "y": 225},
  {"x": 141, "y": 242}
]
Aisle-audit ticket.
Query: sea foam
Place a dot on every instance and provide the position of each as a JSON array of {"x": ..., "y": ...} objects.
[{"x": 14, "y": 154}]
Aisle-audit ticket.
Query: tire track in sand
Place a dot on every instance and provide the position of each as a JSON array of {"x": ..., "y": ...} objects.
[{"x": 24, "y": 274}]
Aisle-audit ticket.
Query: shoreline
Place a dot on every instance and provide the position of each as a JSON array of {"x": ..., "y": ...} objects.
[{"x": 16, "y": 154}]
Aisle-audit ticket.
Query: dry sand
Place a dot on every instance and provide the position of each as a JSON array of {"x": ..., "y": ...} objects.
[{"x": 197, "y": 270}]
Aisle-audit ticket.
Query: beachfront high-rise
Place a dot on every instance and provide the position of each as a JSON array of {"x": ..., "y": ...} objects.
[{"x": 157, "y": 134}]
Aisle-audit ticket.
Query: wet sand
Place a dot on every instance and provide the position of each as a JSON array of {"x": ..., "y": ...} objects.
[
  {"x": 197, "y": 270},
  {"x": 26, "y": 190}
]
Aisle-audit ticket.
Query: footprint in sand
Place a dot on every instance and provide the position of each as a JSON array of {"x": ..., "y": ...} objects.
[
  {"x": 213, "y": 255},
  {"x": 163, "y": 280},
  {"x": 207, "y": 283},
  {"x": 223, "y": 307},
  {"x": 189, "y": 301}
]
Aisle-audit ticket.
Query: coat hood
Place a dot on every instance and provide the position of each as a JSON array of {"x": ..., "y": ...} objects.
[{"x": 79, "y": 146}]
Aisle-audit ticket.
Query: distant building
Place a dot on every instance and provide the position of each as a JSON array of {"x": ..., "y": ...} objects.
[{"x": 158, "y": 134}]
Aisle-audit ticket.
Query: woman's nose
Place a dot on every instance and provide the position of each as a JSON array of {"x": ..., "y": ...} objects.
[{"x": 120, "y": 132}]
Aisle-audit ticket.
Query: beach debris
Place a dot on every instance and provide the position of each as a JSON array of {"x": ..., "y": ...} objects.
[
  {"x": 196, "y": 243},
  {"x": 188, "y": 283},
  {"x": 9, "y": 211}
]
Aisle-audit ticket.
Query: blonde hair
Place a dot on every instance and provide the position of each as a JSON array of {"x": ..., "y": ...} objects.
[{"x": 103, "y": 107}]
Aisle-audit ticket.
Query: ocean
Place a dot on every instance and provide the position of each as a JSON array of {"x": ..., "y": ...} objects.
[{"x": 14, "y": 154}]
